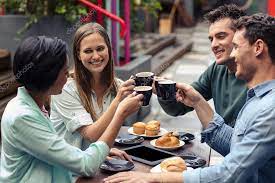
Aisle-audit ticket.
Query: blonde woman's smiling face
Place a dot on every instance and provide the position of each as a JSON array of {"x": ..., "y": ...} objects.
[{"x": 93, "y": 53}]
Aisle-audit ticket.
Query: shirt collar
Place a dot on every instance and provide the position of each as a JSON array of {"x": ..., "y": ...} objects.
[
  {"x": 23, "y": 94},
  {"x": 261, "y": 89}
]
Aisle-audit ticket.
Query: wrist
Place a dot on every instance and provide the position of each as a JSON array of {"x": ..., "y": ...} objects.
[
  {"x": 199, "y": 103},
  {"x": 155, "y": 177},
  {"x": 120, "y": 114},
  {"x": 116, "y": 101}
]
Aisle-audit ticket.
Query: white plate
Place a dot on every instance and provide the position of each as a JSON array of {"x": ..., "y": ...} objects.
[
  {"x": 153, "y": 143},
  {"x": 162, "y": 131},
  {"x": 157, "y": 169}
]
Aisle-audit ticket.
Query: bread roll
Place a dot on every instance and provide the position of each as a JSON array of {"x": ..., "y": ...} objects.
[
  {"x": 151, "y": 130},
  {"x": 167, "y": 140},
  {"x": 174, "y": 164},
  {"x": 139, "y": 128},
  {"x": 154, "y": 122}
]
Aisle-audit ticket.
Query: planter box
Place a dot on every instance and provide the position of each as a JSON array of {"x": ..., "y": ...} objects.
[
  {"x": 140, "y": 64},
  {"x": 55, "y": 26}
]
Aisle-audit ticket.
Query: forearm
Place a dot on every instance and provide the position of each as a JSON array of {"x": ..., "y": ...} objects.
[
  {"x": 204, "y": 112},
  {"x": 94, "y": 131},
  {"x": 112, "y": 130},
  {"x": 170, "y": 177}
]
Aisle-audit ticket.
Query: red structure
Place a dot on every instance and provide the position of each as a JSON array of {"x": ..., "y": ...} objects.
[
  {"x": 2, "y": 9},
  {"x": 271, "y": 7},
  {"x": 125, "y": 25}
]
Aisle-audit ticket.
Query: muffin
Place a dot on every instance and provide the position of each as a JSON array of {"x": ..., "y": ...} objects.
[
  {"x": 139, "y": 128},
  {"x": 167, "y": 140},
  {"x": 154, "y": 122},
  {"x": 174, "y": 164},
  {"x": 151, "y": 130}
]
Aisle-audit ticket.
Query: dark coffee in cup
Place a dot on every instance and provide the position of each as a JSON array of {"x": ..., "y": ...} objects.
[
  {"x": 147, "y": 93},
  {"x": 157, "y": 80},
  {"x": 144, "y": 78},
  {"x": 167, "y": 90}
]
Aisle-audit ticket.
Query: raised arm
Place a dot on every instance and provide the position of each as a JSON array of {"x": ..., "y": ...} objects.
[
  {"x": 203, "y": 86},
  {"x": 39, "y": 139},
  {"x": 68, "y": 108}
]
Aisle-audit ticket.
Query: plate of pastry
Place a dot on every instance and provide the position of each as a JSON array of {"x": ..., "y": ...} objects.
[
  {"x": 150, "y": 129},
  {"x": 173, "y": 164},
  {"x": 167, "y": 142}
]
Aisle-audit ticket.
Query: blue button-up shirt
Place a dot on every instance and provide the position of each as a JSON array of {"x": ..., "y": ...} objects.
[
  {"x": 33, "y": 152},
  {"x": 249, "y": 147}
]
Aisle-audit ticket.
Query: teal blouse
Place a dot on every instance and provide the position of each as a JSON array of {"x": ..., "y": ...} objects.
[{"x": 33, "y": 152}]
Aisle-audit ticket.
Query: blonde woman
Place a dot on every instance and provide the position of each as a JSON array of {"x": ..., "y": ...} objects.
[{"x": 89, "y": 101}]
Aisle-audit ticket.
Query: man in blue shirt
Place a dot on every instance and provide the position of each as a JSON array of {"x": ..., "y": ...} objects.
[{"x": 250, "y": 145}]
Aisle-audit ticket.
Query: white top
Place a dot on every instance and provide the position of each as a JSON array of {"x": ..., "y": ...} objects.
[{"x": 68, "y": 114}]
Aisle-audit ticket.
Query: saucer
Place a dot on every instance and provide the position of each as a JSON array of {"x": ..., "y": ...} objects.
[
  {"x": 129, "y": 140},
  {"x": 162, "y": 131},
  {"x": 153, "y": 143},
  {"x": 116, "y": 165}
]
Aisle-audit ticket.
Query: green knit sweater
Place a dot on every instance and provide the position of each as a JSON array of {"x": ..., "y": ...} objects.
[{"x": 228, "y": 93}]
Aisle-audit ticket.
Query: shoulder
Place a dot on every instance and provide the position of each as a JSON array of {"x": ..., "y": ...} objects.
[
  {"x": 70, "y": 86},
  {"x": 23, "y": 114}
]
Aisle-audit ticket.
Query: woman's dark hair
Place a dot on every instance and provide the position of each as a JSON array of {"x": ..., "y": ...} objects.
[
  {"x": 38, "y": 61},
  {"x": 259, "y": 26}
]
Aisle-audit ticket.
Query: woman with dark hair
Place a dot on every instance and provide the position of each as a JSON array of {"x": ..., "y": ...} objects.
[
  {"x": 89, "y": 100},
  {"x": 32, "y": 151}
]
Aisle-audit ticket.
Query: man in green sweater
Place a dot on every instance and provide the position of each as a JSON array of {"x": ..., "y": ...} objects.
[{"x": 218, "y": 81}]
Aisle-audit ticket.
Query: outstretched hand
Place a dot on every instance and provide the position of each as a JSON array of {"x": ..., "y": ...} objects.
[
  {"x": 187, "y": 95},
  {"x": 129, "y": 177},
  {"x": 130, "y": 104},
  {"x": 125, "y": 89},
  {"x": 121, "y": 154}
]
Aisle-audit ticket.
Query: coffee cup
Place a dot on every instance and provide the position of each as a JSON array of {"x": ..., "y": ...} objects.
[
  {"x": 146, "y": 91},
  {"x": 167, "y": 89},
  {"x": 157, "y": 80},
  {"x": 144, "y": 78}
]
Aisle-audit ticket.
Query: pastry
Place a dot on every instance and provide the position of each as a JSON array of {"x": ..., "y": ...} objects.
[
  {"x": 139, "y": 128},
  {"x": 154, "y": 122},
  {"x": 174, "y": 164},
  {"x": 151, "y": 130},
  {"x": 167, "y": 140}
]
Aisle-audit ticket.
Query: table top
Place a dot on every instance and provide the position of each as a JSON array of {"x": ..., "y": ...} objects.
[{"x": 194, "y": 147}]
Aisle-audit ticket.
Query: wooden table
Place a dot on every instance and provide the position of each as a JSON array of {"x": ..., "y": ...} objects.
[{"x": 192, "y": 148}]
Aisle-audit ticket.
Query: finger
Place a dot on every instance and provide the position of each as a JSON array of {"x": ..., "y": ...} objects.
[
  {"x": 139, "y": 96},
  {"x": 128, "y": 82},
  {"x": 109, "y": 158},
  {"x": 129, "y": 88},
  {"x": 131, "y": 95},
  {"x": 127, "y": 93},
  {"x": 126, "y": 156},
  {"x": 183, "y": 86},
  {"x": 116, "y": 178}
]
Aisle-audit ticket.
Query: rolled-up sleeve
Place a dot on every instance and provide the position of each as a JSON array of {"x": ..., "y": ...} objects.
[
  {"x": 68, "y": 108},
  {"x": 246, "y": 158},
  {"x": 218, "y": 135}
]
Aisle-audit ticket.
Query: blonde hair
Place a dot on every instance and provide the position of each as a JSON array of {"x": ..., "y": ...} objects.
[{"x": 82, "y": 76}]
